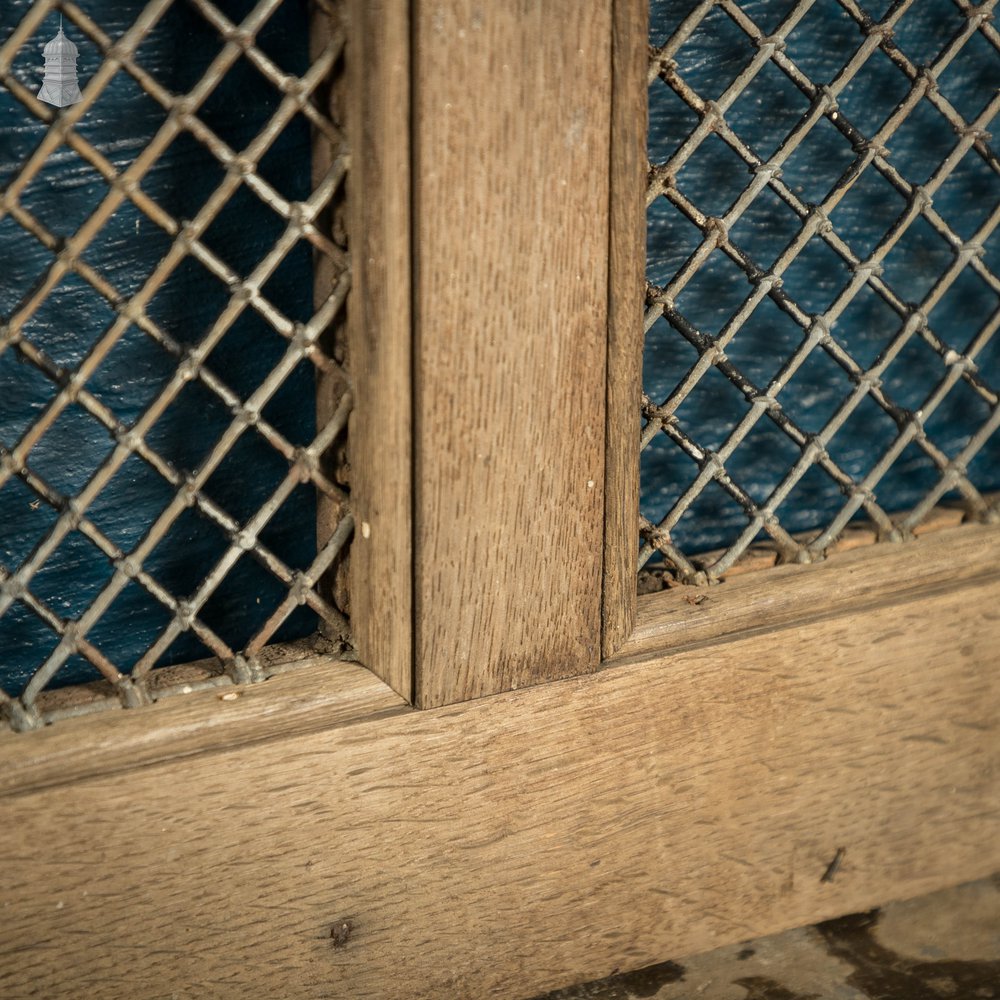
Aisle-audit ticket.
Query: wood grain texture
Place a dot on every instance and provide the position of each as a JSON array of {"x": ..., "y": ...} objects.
[
  {"x": 626, "y": 287},
  {"x": 511, "y": 141},
  {"x": 316, "y": 693},
  {"x": 380, "y": 337},
  {"x": 846, "y": 582},
  {"x": 512, "y": 844}
]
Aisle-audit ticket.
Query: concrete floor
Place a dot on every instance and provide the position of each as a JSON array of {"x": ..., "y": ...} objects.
[{"x": 945, "y": 946}]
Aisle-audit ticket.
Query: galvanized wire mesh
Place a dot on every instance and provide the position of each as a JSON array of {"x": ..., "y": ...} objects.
[
  {"x": 309, "y": 222},
  {"x": 854, "y": 152}
]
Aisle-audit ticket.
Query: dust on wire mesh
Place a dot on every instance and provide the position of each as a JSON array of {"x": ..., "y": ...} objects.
[
  {"x": 822, "y": 290},
  {"x": 237, "y": 464}
]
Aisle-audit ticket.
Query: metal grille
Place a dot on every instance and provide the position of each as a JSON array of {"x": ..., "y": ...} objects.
[
  {"x": 313, "y": 465},
  {"x": 817, "y": 117}
]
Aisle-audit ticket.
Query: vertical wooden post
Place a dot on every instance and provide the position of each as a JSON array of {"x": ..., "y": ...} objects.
[
  {"x": 497, "y": 156},
  {"x": 511, "y": 136}
]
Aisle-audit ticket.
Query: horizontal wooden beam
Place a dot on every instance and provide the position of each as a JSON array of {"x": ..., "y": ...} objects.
[{"x": 515, "y": 843}]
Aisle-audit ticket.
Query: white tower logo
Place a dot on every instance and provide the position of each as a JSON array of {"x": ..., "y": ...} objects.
[{"x": 60, "y": 85}]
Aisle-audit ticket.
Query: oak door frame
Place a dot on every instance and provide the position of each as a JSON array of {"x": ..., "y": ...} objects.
[{"x": 548, "y": 813}]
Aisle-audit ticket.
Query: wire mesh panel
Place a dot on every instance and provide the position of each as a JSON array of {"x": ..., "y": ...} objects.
[
  {"x": 822, "y": 289},
  {"x": 174, "y": 278}
]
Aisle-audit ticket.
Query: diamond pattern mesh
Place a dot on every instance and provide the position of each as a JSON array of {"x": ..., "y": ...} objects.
[
  {"x": 798, "y": 246},
  {"x": 310, "y": 340}
]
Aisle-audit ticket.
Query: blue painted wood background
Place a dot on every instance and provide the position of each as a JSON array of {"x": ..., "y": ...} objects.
[
  {"x": 766, "y": 112},
  {"x": 177, "y": 51}
]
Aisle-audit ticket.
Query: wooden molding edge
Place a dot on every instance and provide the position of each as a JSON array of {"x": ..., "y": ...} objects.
[
  {"x": 320, "y": 693},
  {"x": 783, "y": 596},
  {"x": 626, "y": 296},
  {"x": 380, "y": 337},
  {"x": 513, "y": 844}
]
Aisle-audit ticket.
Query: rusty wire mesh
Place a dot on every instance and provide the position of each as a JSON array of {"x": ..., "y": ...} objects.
[
  {"x": 807, "y": 92},
  {"x": 305, "y": 221}
]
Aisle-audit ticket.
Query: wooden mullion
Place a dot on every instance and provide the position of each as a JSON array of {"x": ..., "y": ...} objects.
[{"x": 511, "y": 133}]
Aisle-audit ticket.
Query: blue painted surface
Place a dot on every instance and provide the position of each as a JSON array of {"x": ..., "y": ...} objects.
[
  {"x": 713, "y": 179},
  {"x": 177, "y": 52}
]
